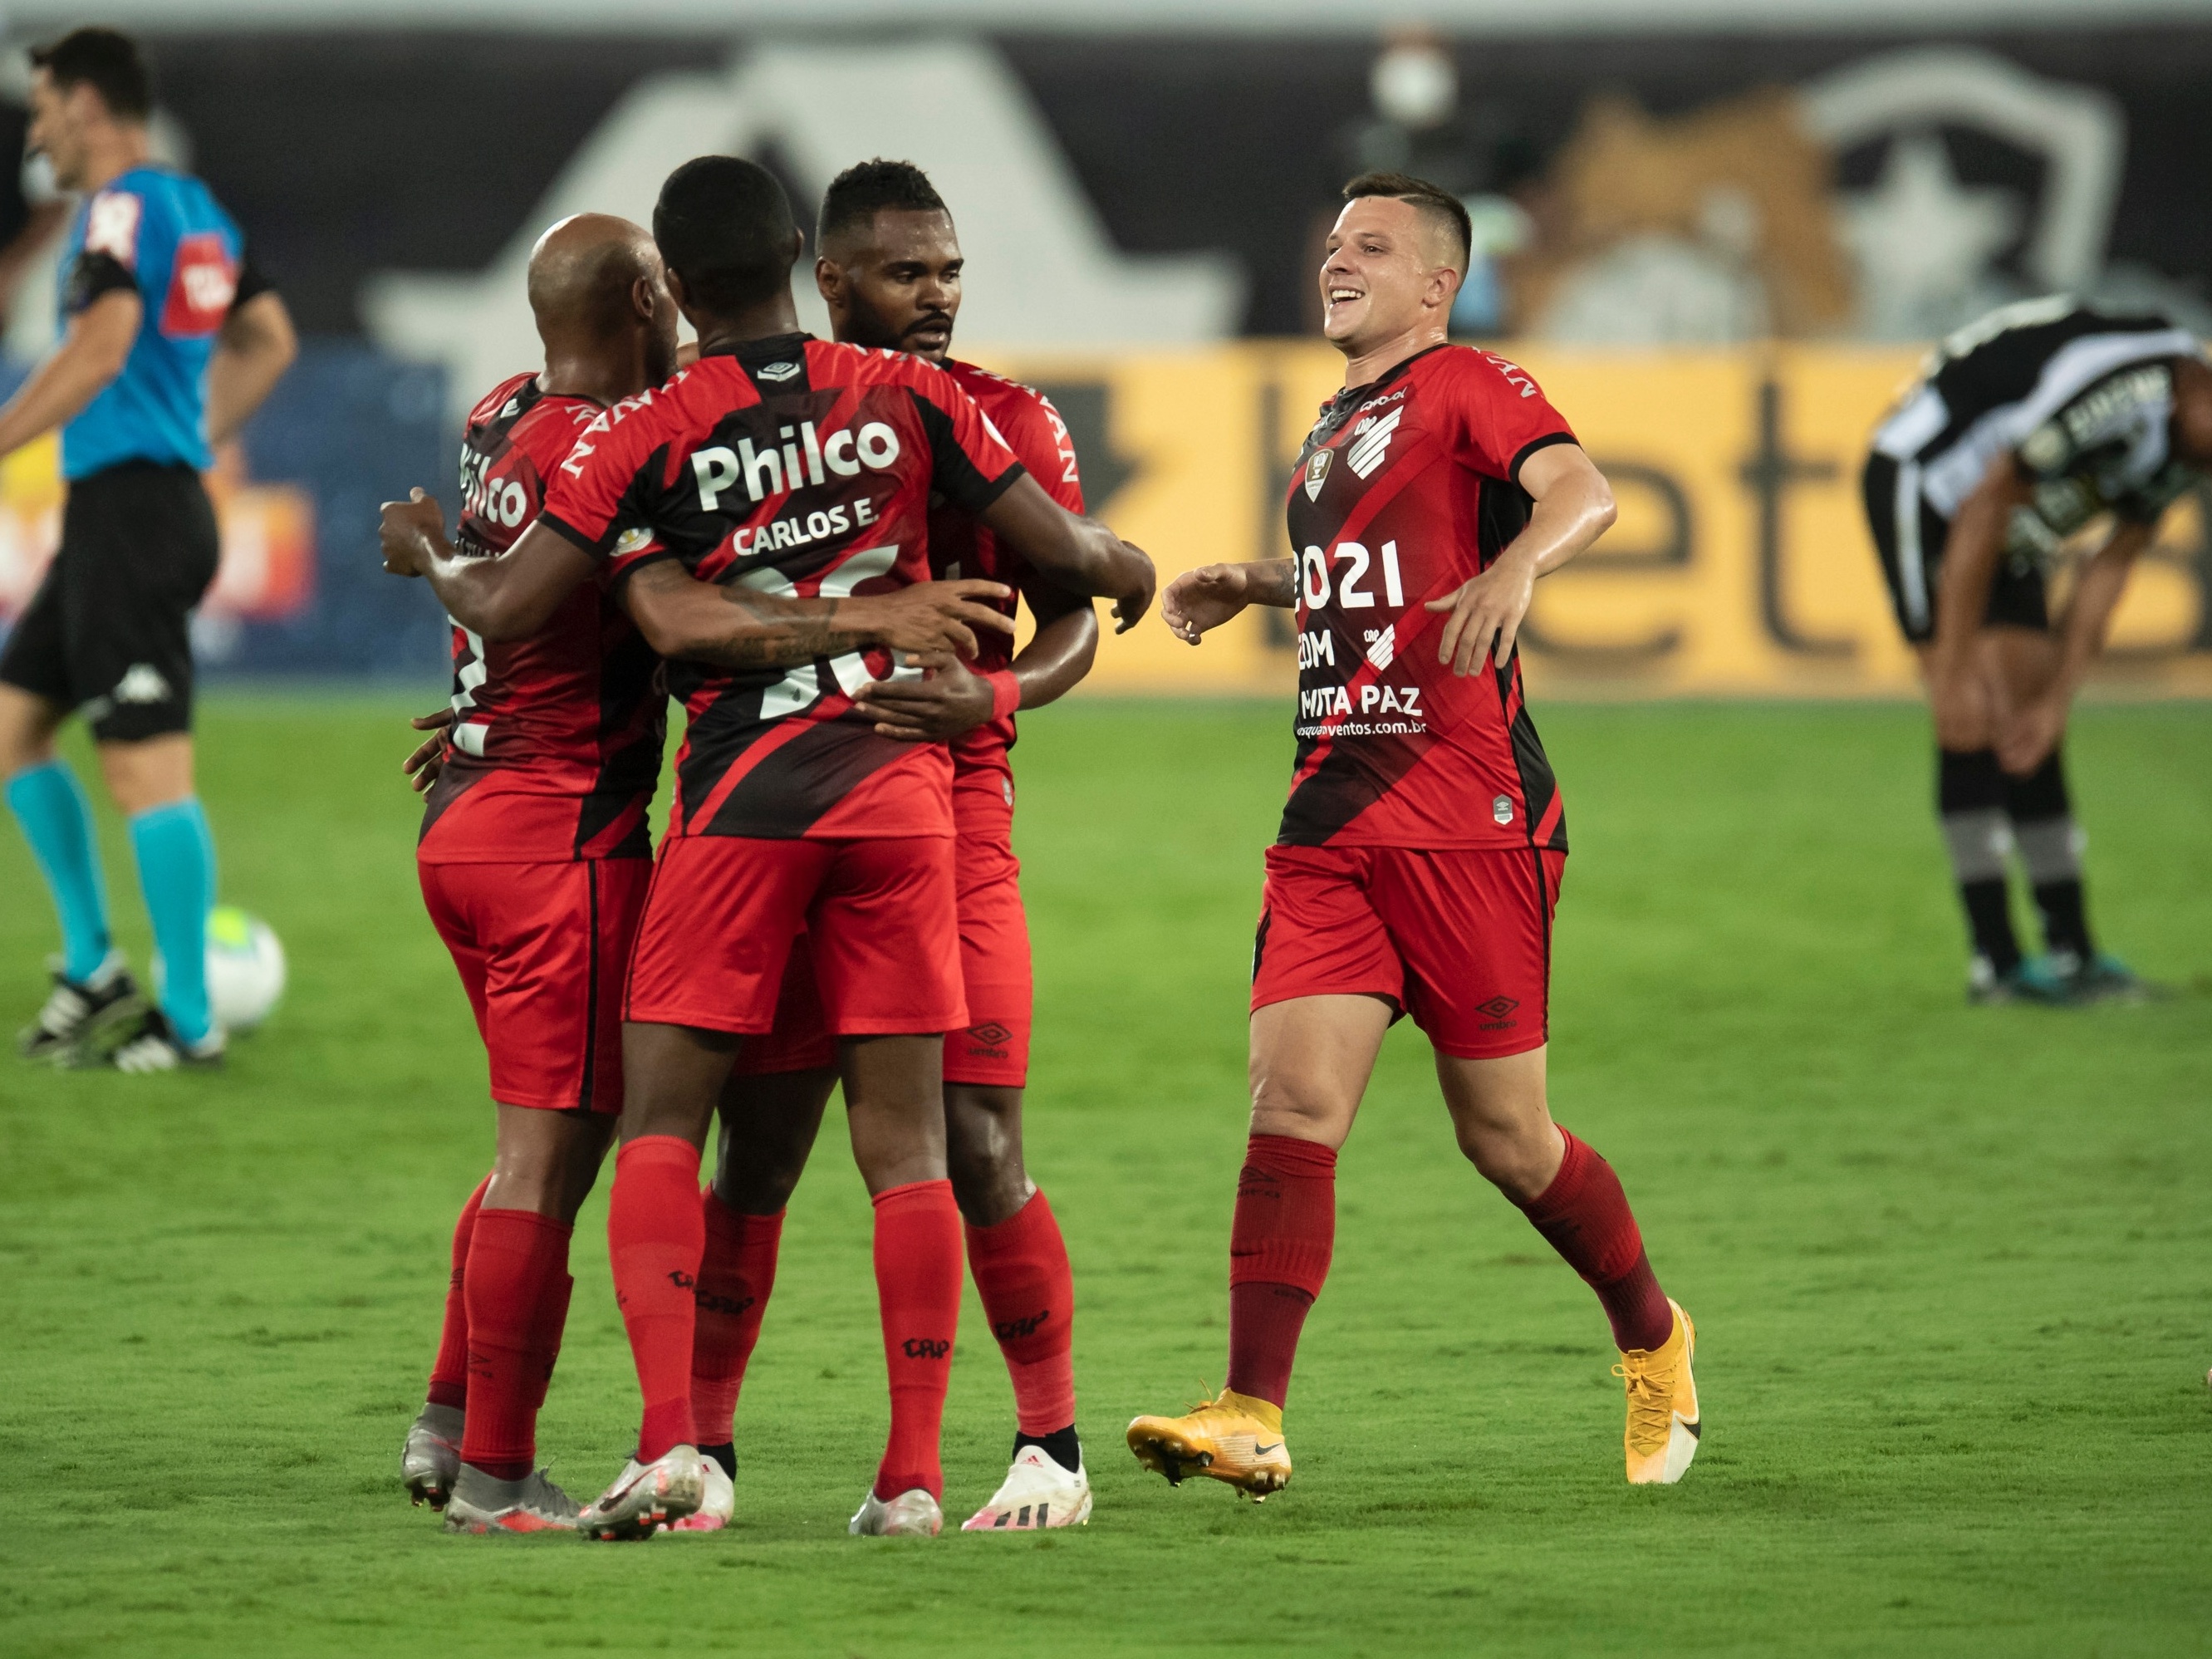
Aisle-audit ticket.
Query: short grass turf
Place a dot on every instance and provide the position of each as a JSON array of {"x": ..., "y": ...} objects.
[{"x": 1953, "y": 1269}]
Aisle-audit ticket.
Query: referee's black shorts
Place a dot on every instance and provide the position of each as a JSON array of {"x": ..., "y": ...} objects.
[
  {"x": 107, "y": 632},
  {"x": 1910, "y": 534}
]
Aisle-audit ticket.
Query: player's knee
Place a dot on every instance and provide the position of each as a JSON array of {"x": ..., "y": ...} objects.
[{"x": 28, "y": 724}]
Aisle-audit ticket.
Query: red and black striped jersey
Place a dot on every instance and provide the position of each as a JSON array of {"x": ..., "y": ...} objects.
[
  {"x": 1404, "y": 488},
  {"x": 960, "y": 545},
  {"x": 798, "y": 467},
  {"x": 555, "y": 743}
]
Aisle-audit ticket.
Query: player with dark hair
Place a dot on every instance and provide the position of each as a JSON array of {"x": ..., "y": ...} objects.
[
  {"x": 534, "y": 857},
  {"x": 170, "y": 340},
  {"x": 2025, "y": 427},
  {"x": 784, "y": 466},
  {"x": 888, "y": 266},
  {"x": 1422, "y": 847}
]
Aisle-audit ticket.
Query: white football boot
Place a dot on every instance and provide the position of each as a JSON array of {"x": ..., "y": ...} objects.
[
  {"x": 481, "y": 1502},
  {"x": 714, "y": 1510},
  {"x": 912, "y": 1513},
  {"x": 647, "y": 1497},
  {"x": 1036, "y": 1492},
  {"x": 430, "y": 1460}
]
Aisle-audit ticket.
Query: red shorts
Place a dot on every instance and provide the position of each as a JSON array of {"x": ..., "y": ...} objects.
[
  {"x": 725, "y": 911},
  {"x": 992, "y": 1047},
  {"x": 542, "y": 949},
  {"x": 1460, "y": 940}
]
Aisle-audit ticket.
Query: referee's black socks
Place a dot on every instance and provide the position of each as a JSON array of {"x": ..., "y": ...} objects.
[{"x": 1971, "y": 797}]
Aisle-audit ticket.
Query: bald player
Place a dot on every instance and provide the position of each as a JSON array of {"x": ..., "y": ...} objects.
[{"x": 534, "y": 854}]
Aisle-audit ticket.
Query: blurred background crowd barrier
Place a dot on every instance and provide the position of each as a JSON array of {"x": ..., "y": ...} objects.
[{"x": 1721, "y": 248}]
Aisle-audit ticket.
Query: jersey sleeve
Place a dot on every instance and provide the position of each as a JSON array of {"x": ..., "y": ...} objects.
[
  {"x": 606, "y": 488},
  {"x": 972, "y": 464},
  {"x": 1503, "y": 417},
  {"x": 1039, "y": 440},
  {"x": 107, "y": 263}
]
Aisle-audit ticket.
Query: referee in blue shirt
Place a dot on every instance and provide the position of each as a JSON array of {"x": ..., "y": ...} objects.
[{"x": 170, "y": 340}]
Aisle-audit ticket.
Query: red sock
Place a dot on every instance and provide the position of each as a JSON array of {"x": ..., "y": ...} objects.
[
  {"x": 736, "y": 1274},
  {"x": 552, "y": 1320},
  {"x": 918, "y": 1285},
  {"x": 654, "y": 1240},
  {"x": 1278, "y": 1250},
  {"x": 1021, "y": 1272},
  {"x": 1584, "y": 1216},
  {"x": 449, "y": 1373},
  {"x": 518, "y": 1264}
]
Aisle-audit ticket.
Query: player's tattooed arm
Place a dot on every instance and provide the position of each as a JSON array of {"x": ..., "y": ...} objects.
[
  {"x": 1574, "y": 507},
  {"x": 1079, "y": 554},
  {"x": 739, "y": 628},
  {"x": 509, "y": 597},
  {"x": 1199, "y": 601}
]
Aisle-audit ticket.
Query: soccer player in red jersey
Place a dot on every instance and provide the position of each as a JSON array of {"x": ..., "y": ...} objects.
[
  {"x": 534, "y": 861},
  {"x": 1421, "y": 849},
  {"x": 784, "y": 466},
  {"x": 890, "y": 268}
]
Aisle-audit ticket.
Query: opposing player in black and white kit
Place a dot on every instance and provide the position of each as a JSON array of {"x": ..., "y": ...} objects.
[{"x": 2025, "y": 428}]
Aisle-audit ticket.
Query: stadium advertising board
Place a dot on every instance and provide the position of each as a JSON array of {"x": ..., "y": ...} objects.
[{"x": 1740, "y": 565}]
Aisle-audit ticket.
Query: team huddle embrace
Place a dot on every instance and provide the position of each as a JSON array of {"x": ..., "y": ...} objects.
[{"x": 818, "y": 548}]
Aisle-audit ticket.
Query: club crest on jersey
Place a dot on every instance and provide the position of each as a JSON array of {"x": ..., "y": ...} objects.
[
  {"x": 1317, "y": 473},
  {"x": 779, "y": 372},
  {"x": 1371, "y": 441}
]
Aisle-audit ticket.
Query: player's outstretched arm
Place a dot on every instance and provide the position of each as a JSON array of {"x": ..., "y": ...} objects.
[
  {"x": 736, "y": 627},
  {"x": 1971, "y": 550},
  {"x": 1574, "y": 507},
  {"x": 91, "y": 354},
  {"x": 510, "y": 597},
  {"x": 1200, "y": 600},
  {"x": 1079, "y": 554},
  {"x": 257, "y": 346},
  {"x": 2032, "y": 729},
  {"x": 953, "y": 698}
]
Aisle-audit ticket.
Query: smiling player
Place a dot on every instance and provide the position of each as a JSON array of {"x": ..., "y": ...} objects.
[{"x": 1422, "y": 847}]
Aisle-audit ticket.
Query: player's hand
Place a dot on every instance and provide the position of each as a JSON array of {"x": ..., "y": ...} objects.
[
  {"x": 2031, "y": 732},
  {"x": 1130, "y": 608},
  {"x": 429, "y": 759},
  {"x": 1199, "y": 601},
  {"x": 1486, "y": 613},
  {"x": 928, "y": 616},
  {"x": 408, "y": 531},
  {"x": 1959, "y": 699},
  {"x": 948, "y": 700}
]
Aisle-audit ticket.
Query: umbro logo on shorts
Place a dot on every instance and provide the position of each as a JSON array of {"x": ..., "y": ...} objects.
[
  {"x": 1497, "y": 1007},
  {"x": 990, "y": 1031},
  {"x": 142, "y": 682}
]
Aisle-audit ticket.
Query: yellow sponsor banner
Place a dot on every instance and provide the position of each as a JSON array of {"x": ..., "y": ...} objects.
[{"x": 1741, "y": 567}]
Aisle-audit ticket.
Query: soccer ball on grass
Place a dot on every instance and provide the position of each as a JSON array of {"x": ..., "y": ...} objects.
[{"x": 245, "y": 969}]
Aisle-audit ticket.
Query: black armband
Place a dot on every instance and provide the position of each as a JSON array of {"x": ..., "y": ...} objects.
[{"x": 92, "y": 276}]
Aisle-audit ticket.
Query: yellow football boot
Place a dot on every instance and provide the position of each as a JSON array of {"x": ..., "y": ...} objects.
[
  {"x": 1662, "y": 1406},
  {"x": 1232, "y": 1437}
]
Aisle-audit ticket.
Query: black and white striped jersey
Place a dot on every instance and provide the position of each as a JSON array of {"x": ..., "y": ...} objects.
[{"x": 2082, "y": 399}]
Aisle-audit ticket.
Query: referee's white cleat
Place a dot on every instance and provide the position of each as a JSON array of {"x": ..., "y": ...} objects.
[
  {"x": 1037, "y": 1492},
  {"x": 150, "y": 1043},
  {"x": 912, "y": 1513},
  {"x": 647, "y": 1497},
  {"x": 77, "y": 1012}
]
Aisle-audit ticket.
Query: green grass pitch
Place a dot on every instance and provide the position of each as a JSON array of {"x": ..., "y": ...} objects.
[{"x": 1953, "y": 1269}]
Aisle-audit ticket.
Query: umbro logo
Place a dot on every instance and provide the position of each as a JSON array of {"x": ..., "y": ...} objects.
[
  {"x": 1497, "y": 1007},
  {"x": 1502, "y": 810},
  {"x": 990, "y": 1031},
  {"x": 779, "y": 372}
]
